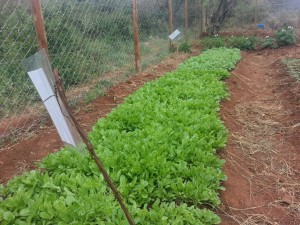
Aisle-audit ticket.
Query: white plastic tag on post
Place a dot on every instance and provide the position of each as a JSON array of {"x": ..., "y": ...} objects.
[
  {"x": 174, "y": 35},
  {"x": 39, "y": 70},
  {"x": 47, "y": 95}
]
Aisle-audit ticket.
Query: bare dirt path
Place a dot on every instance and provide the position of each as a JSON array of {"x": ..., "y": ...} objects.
[{"x": 263, "y": 153}]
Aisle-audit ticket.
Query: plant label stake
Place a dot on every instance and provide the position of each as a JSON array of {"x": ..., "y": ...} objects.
[
  {"x": 39, "y": 70},
  {"x": 175, "y": 36},
  {"x": 47, "y": 95},
  {"x": 51, "y": 91},
  {"x": 109, "y": 181}
]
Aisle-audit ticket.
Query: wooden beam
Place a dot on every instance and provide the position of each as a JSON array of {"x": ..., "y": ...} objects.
[
  {"x": 136, "y": 37},
  {"x": 186, "y": 14},
  {"x": 201, "y": 17},
  {"x": 39, "y": 25},
  {"x": 171, "y": 21}
]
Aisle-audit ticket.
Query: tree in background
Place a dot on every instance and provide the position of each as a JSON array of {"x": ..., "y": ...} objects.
[{"x": 222, "y": 9}]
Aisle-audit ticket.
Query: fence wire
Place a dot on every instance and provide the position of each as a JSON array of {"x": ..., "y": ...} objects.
[
  {"x": 86, "y": 39},
  {"x": 91, "y": 43},
  {"x": 18, "y": 41},
  {"x": 153, "y": 22}
]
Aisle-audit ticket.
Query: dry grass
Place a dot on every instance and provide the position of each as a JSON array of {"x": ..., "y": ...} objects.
[{"x": 268, "y": 167}]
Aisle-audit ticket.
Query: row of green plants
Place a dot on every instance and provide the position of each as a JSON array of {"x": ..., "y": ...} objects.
[
  {"x": 283, "y": 37},
  {"x": 159, "y": 147}
]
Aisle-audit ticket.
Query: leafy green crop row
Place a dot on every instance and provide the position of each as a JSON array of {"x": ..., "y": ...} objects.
[
  {"x": 283, "y": 36},
  {"x": 159, "y": 147}
]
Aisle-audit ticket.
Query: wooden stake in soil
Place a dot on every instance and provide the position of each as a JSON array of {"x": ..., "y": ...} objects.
[
  {"x": 255, "y": 14},
  {"x": 186, "y": 19},
  {"x": 38, "y": 21},
  {"x": 206, "y": 17},
  {"x": 109, "y": 181},
  {"x": 136, "y": 37},
  {"x": 299, "y": 19},
  {"x": 171, "y": 21},
  {"x": 201, "y": 17}
]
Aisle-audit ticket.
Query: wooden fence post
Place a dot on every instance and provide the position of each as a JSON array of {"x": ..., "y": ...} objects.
[
  {"x": 186, "y": 18},
  {"x": 255, "y": 14},
  {"x": 171, "y": 21},
  {"x": 61, "y": 93},
  {"x": 201, "y": 17},
  {"x": 136, "y": 37},
  {"x": 298, "y": 19},
  {"x": 195, "y": 22},
  {"x": 39, "y": 25},
  {"x": 206, "y": 17}
]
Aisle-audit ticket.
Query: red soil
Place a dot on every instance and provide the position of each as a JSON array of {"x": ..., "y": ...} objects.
[{"x": 263, "y": 153}]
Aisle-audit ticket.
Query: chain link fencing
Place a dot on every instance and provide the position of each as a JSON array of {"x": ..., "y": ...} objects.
[
  {"x": 153, "y": 23},
  {"x": 18, "y": 41},
  {"x": 89, "y": 41}
]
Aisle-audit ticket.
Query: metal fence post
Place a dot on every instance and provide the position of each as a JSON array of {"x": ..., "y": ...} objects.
[
  {"x": 38, "y": 20},
  {"x": 136, "y": 37}
]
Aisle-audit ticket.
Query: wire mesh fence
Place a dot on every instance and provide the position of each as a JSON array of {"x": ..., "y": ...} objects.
[
  {"x": 17, "y": 37},
  {"x": 153, "y": 31},
  {"x": 87, "y": 39},
  {"x": 91, "y": 43}
]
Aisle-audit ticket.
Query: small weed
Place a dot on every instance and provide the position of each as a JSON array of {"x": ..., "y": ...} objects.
[
  {"x": 185, "y": 47},
  {"x": 293, "y": 66},
  {"x": 1, "y": 143},
  {"x": 73, "y": 102},
  {"x": 105, "y": 84},
  {"x": 93, "y": 95},
  {"x": 144, "y": 65},
  {"x": 87, "y": 110},
  {"x": 130, "y": 72},
  {"x": 181, "y": 47}
]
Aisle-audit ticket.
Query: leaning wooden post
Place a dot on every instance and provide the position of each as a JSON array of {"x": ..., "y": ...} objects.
[
  {"x": 61, "y": 93},
  {"x": 201, "y": 17},
  {"x": 186, "y": 18},
  {"x": 171, "y": 21},
  {"x": 39, "y": 25},
  {"x": 136, "y": 37}
]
